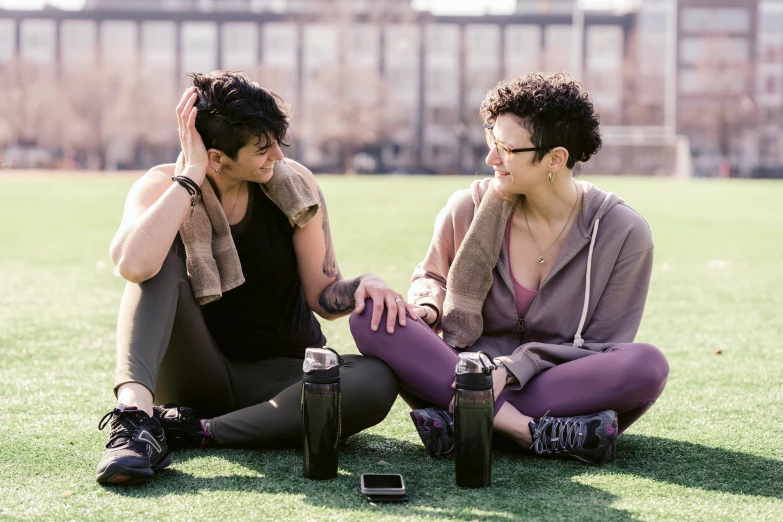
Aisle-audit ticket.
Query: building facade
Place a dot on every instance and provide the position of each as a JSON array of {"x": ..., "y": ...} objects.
[{"x": 397, "y": 88}]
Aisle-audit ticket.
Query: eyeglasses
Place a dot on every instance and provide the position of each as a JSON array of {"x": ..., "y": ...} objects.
[{"x": 503, "y": 152}]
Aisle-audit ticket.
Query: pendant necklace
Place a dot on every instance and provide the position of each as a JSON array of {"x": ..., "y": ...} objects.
[
  {"x": 235, "y": 203},
  {"x": 541, "y": 259}
]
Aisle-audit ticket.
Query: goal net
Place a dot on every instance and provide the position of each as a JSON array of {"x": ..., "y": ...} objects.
[{"x": 641, "y": 151}]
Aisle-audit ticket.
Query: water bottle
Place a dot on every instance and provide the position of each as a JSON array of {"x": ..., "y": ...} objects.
[
  {"x": 321, "y": 412},
  {"x": 474, "y": 410}
]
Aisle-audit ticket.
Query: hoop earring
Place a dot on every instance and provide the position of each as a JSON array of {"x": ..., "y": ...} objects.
[{"x": 551, "y": 176}]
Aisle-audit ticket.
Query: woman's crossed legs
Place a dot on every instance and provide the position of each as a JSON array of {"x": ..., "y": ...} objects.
[{"x": 627, "y": 378}]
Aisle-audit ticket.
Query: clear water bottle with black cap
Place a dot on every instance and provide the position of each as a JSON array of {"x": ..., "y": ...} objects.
[
  {"x": 474, "y": 410},
  {"x": 321, "y": 412}
]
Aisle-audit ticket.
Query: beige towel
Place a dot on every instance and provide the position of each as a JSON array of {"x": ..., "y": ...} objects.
[
  {"x": 291, "y": 193},
  {"x": 470, "y": 275},
  {"x": 212, "y": 260}
]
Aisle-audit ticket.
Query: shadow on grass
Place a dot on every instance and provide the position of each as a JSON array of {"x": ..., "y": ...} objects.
[
  {"x": 696, "y": 466},
  {"x": 523, "y": 487}
]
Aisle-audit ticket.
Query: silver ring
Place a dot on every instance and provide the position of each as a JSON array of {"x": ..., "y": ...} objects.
[{"x": 398, "y": 301}]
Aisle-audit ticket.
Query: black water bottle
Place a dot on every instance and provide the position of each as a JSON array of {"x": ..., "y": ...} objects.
[
  {"x": 474, "y": 410},
  {"x": 321, "y": 412}
]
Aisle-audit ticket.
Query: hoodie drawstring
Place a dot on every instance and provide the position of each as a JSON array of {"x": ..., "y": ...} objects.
[{"x": 578, "y": 341}]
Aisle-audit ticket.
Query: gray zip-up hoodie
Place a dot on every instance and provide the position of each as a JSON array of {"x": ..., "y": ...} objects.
[{"x": 592, "y": 298}]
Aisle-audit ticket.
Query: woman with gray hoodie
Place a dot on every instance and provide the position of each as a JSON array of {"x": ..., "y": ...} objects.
[{"x": 546, "y": 274}]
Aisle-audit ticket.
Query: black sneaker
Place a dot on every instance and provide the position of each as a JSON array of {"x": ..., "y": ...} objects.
[
  {"x": 136, "y": 449},
  {"x": 589, "y": 438},
  {"x": 183, "y": 427},
  {"x": 436, "y": 429}
]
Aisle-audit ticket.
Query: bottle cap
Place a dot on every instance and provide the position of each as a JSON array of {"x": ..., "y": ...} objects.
[
  {"x": 474, "y": 362},
  {"x": 319, "y": 359}
]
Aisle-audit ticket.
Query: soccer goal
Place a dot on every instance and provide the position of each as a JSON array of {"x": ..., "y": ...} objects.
[{"x": 641, "y": 151}]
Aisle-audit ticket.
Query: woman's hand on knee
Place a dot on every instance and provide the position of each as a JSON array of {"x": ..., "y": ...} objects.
[{"x": 383, "y": 298}]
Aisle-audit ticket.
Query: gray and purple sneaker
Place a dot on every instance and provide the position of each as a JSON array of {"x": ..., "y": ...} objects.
[
  {"x": 436, "y": 430},
  {"x": 589, "y": 438}
]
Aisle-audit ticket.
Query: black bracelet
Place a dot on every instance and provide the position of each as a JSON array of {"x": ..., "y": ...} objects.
[
  {"x": 191, "y": 186},
  {"x": 192, "y": 183},
  {"x": 184, "y": 183},
  {"x": 193, "y": 189}
]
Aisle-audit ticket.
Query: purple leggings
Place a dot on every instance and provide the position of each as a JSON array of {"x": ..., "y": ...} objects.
[{"x": 626, "y": 378}]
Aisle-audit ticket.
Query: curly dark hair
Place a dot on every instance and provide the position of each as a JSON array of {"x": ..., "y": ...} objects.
[
  {"x": 232, "y": 110},
  {"x": 555, "y": 109}
]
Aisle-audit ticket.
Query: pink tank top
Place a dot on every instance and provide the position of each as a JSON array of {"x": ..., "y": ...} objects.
[{"x": 523, "y": 294}]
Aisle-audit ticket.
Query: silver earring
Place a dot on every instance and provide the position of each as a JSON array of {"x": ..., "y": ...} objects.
[
  {"x": 217, "y": 171},
  {"x": 551, "y": 176}
]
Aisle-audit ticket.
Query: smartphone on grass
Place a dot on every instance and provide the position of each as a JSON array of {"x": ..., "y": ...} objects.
[{"x": 383, "y": 487}]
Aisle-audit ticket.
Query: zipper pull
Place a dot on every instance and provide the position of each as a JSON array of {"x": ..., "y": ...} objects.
[{"x": 521, "y": 325}]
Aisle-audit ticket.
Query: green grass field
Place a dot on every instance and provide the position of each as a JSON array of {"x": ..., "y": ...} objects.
[{"x": 710, "y": 449}]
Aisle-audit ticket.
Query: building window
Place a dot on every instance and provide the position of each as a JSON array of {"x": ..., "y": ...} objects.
[
  {"x": 37, "y": 43},
  {"x": 770, "y": 82},
  {"x": 240, "y": 46},
  {"x": 199, "y": 46},
  {"x": 770, "y": 51},
  {"x": 711, "y": 20},
  {"x": 118, "y": 40},
  {"x": 713, "y": 50},
  {"x": 773, "y": 116},
  {"x": 482, "y": 40},
  {"x": 706, "y": 81},
  {"x": 770, "y": 22},
  {"x": 558, "y": 48},
  {"x": 7, "y": 40},
  {"x": 653, "y": 21},
  {"x": 158, "y": 44},
  {"x": 442, "y": 39},
  {"x": 770, "y": 85},
  {"x": 443, "y": 115},
  {"x": 523, "y": 49}
]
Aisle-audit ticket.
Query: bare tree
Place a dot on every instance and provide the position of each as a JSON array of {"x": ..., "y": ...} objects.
[
  {"x": 347, "y": 103},
  {"x": 30, "y": 109}
]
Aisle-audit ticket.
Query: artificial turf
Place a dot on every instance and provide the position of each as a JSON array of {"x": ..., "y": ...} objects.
[{"x": 710, "y": 449}]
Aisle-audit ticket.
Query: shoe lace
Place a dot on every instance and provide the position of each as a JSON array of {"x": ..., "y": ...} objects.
[
  {"x": 122, "y": 425},
  {"x": 558, "y": 434}
]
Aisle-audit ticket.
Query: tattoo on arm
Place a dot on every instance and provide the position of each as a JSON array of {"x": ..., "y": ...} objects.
[
  {"x": 330, "y": 268},
  {"x": 338, "y": 298}
]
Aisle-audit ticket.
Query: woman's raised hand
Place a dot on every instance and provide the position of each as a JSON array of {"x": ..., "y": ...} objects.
[{"x": 193, "y": 148}]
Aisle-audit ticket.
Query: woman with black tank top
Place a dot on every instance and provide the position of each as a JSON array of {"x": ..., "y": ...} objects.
[{"x": 235, "y": 364}]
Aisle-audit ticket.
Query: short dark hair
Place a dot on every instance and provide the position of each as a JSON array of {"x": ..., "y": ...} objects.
[
  {"x": 233, "y": 110},
  {"x": 555, "y": 109}
]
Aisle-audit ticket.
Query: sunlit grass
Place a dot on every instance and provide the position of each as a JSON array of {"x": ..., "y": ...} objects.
[{"x": 711, "y": 449}]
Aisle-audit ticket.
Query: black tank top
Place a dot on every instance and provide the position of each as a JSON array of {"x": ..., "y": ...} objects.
[{"x": 267, "y": 315}]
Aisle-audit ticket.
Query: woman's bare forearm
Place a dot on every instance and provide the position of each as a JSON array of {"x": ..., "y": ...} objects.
[{"x": 141, "y": 245}]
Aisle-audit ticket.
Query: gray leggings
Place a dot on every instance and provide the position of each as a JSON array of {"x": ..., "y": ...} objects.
[{"x": 163, "y": 343}]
